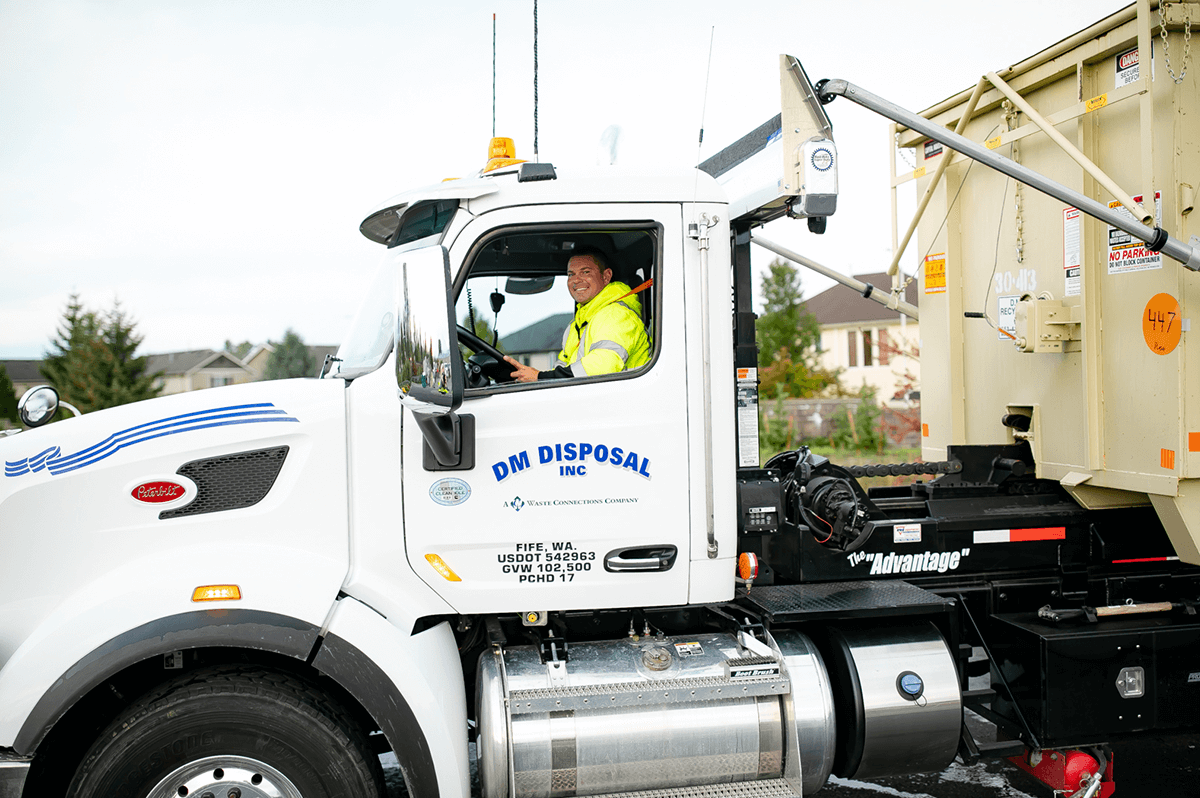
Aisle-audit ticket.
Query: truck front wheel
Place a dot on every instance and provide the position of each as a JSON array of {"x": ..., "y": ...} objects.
[{"x": 231, "y": 731}]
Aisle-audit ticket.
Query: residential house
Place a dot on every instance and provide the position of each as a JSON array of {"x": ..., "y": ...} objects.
[
  {"x": 871, "y": 344},
  {"x": 256, "y": 359},
  {"x": 24, "y": 374},
  {"x": 197, "y": 369},
  {"x": 538, "y": 344}
]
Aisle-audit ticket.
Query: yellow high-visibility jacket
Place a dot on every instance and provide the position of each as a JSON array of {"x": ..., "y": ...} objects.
[{"x": 606, "y": 335}]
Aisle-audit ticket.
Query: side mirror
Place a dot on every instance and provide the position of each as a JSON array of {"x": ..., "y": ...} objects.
[
  {"x": 39, "y": 404},
  {"x": 429, "y": 370}
]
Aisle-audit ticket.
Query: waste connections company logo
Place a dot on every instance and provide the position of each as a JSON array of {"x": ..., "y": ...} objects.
[
  {"x": 517, "y": 503},
  {"x": 893, "y": 563}
]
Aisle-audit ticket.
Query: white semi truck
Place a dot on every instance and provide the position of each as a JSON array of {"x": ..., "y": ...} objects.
[{"x": 254, "y": 590}]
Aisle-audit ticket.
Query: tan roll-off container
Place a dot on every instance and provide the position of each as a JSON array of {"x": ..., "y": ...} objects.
[{"x": 1087, "y": 333}]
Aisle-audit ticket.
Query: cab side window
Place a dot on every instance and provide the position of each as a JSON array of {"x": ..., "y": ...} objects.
[{"x": 563, "y": 304}]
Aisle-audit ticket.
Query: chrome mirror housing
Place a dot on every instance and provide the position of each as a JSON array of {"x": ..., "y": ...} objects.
[
  {"x": 38, "y": 405},
  {"x": 429, "y": 368}
]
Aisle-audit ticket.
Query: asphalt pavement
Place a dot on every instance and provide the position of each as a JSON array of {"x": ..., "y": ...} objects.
[{"x": 1150, "y": 766}]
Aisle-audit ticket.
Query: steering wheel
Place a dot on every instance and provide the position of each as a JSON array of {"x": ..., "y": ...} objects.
[{"x": 502, "y": 371}]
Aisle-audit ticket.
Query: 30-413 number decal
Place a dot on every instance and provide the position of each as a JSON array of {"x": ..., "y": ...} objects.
[{"x": 1023, "y": 280}]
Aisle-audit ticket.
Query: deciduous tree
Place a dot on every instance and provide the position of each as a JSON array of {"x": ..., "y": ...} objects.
[
  {"x": 788, "y": 338},
  {"x": 241, "y": 350},
  {"x": 290, "y": 359}
]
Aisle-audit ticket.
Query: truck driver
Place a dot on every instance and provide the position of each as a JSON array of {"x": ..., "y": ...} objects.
[{"x": 607, "y": 334}]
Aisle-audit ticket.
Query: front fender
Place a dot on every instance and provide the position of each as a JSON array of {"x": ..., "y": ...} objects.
[
  {"x": 412, "y": 685},
  {"x": 144, "y": 609},
  {"x": 231, "y": 628}
]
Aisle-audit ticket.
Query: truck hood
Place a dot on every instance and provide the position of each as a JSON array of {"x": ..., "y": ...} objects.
[{"x": 152, "y": 428}]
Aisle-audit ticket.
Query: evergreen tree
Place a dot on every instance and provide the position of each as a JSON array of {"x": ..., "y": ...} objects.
[
  {"x": 788, "y": 338},
  {"x": 127, "y": 379},
  {"x": 8, "y": 398},
  {"x": 92, "y": 362},
  {"x": 73, "y": 364},
  {"x": 290, "y": 359}
]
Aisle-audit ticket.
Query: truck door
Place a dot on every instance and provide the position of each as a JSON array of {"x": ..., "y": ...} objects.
[{"x": 578, "y": 493}]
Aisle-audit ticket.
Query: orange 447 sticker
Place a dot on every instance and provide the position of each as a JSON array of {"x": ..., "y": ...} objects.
[{"x": 1161, "y": 324}]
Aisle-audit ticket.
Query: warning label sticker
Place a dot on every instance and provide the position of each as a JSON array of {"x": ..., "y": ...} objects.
[
  {"x": 1006, "y": 316},
  {"x": 1126, "y": 253},
  {"x": 1127, "y": 68},
  {"x": 1072, "y": 267},
  {"x": 747, "y": 417},
  {"x": 935, "y": 273}
]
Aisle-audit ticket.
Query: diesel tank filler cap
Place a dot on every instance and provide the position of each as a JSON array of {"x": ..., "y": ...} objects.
[{"x": 910, "y": 685}]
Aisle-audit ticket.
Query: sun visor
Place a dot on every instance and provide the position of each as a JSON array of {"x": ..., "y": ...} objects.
[
  {"x": 380, "y": 224},
  {"x": 787, "y": 164}
]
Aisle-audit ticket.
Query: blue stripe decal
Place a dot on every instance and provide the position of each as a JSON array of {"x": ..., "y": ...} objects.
[{"x": 52, "y": 460}]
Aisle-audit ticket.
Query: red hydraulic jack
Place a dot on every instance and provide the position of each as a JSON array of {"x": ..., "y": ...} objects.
[{"x": 1071, "y": 773}]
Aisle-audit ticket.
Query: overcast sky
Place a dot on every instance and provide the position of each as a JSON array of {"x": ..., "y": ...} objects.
[{"x": 208, "y": 162}]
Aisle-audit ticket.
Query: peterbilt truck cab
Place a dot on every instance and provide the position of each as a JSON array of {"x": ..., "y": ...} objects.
[{"x": 591, "y": 583}]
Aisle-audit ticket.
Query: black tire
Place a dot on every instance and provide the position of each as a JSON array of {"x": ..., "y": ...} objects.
[{"x": 261, "y": 732}]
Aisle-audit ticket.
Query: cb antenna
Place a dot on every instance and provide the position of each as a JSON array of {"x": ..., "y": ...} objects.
[
  {"x": 704, "y": 101},
  {"x": 703, "y": 110},
  {"x": 493, "y": 75},
  {"x": 535, "y": 93}
]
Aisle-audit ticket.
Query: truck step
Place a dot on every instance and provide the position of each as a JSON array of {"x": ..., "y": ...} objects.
[
  {"x": 767, "y": 788},
  {"x": 839, "y": 600}
]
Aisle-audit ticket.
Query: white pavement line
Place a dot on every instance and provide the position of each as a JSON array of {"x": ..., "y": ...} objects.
[
  {"x": 979, "y": 774},
  {"x": 877, "y": 788}
]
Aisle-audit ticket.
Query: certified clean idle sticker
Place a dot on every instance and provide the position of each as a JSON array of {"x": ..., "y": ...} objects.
[{"x": 450, "y": 491}]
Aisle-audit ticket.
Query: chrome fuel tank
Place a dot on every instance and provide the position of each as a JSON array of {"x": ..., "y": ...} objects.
[
  {"x": 898, "y": 701},
  {"x": 653, "y": 713}
]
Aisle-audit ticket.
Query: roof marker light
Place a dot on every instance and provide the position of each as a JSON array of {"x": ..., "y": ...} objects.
[
  {"x": 217, "y": 593},
  {"x": 440, "y": 566},
  {"x": 502, "y": 152}
]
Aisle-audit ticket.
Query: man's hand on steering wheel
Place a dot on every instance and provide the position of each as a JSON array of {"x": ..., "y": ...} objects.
[
  {"x": 522, "y": 373},
  {"x": 497, "y": 372}
]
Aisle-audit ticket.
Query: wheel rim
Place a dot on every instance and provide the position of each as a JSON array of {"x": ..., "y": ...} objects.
[{"x": 225, "y": 777}]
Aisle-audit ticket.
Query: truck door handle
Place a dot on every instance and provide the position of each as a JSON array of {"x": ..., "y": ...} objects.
[{"x": 640, "y": 558}]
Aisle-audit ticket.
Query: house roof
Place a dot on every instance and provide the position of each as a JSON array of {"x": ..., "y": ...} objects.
[
  {"x": 842, "y": 305},
  {"x": 268, "y": 346},
  {"x": 541, "y": 336},
  {"x": 318, "y": 354},
  {"x": 173, "y": 363},
  {"x": 23, "y": 370}
]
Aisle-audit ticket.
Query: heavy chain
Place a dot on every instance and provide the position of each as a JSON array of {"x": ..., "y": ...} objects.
[
  {"x": 1187, "y": 40},
  {"x": 904, "y": 469},
  {"x": 904, "y": 153},
  {"x": 1012, "y": 120}
]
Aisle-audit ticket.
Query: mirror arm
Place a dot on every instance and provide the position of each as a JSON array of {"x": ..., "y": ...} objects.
[{"x": 443, "y": 433}]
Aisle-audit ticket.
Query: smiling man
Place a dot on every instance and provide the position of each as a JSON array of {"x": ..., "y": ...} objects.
[{"x": 606, "y": 335}]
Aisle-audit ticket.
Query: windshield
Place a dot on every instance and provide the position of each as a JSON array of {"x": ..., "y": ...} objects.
[
  {"x": 372, "y": 333},
  {"x": 369, "y": 340}
]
